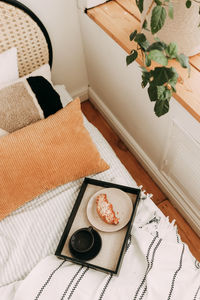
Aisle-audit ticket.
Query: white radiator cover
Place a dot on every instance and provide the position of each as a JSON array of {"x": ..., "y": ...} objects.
[{"x": 181, "y": 164}]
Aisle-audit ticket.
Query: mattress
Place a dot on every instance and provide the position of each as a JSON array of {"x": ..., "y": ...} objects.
[{"x": 30, "y": 236}]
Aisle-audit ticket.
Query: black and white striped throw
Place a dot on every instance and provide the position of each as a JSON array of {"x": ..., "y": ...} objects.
[{"x": 156, "y": 266}]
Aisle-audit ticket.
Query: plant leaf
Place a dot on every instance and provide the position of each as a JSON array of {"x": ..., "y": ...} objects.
[
  {"x": 140, "y": 38},
  {"x": 139, "y": 4},
  {"x": 132, "y": 35},
  {"x": 161, "y": 75},
  {"x": 158, "y": 56},
  {"x": 167, "y": 94},
  {"x": 172, "y": 50},
  {"x": 173, "y": 80},
  {"x": 158, "y": 17},
  {"x": 171, "y": 10},
  {"x": 145, "y": 77},
  {"x": 161, "y": 92},
  {"x": 188, "y": 3},
  {"x": 158, "y": 2},
  {"x": 152, "y": 91},
  {"x": 157, "y": 45},
  {"x": 147, "y": 60},
  {"x": 183, "y": 60},
  {"x": 161, "y": 107},
  {"x": 145, "y": 24},
  {"x": 144, "y": 45},
  {"x": 130, "y": 58}
]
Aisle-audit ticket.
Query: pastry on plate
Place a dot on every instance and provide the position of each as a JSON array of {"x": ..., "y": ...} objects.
[{"x": 105, "y": 210}]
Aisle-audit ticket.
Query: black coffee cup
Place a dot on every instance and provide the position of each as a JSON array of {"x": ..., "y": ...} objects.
[{"x": 82, "y": 240}]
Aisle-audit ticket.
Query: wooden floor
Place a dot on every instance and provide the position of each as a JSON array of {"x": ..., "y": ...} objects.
[{"x": 142, "y": 177}]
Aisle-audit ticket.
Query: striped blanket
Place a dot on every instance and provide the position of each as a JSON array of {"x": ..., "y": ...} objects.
[{"x": 156, "y": 265}]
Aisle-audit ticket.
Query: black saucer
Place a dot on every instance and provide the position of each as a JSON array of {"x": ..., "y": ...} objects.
[{"x": 92, "y": 252}]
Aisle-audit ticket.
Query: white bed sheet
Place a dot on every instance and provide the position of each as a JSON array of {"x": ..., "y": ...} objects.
[{"x": 30, "y": 235}]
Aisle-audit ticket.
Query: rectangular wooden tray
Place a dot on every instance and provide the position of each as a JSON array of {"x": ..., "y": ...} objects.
[{"x": 113, "y": 243}]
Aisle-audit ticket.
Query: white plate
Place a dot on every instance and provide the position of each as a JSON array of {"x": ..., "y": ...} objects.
[{"x": 122, "y": 206}]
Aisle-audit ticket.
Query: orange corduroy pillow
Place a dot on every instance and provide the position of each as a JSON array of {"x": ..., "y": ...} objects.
[{"x": 44, "y": 155}]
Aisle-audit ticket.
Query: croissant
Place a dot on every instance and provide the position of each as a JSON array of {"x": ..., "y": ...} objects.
[{"x": 105, "y": 210}]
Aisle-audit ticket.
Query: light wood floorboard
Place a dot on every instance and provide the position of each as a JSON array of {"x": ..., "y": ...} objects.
[{"x": 142, "y": 177}]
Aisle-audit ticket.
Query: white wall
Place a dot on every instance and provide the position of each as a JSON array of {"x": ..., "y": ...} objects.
[
  {"x": 61, "y": 21},
  {"x": 116, "y": 90}
]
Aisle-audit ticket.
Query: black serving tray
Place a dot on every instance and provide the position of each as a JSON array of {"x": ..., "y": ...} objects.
[{"x": 114, "y": 244}]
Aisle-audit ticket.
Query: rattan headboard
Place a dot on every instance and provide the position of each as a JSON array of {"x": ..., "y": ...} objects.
[{"x": 21, "y": 28}]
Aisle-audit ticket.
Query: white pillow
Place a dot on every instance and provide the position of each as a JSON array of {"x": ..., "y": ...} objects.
[
  {"x": 43, "y": 71},
  {"x": 8, "y": 66}
]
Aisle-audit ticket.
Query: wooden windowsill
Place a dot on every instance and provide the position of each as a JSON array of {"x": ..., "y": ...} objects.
[{"x": 121, "y": 17}]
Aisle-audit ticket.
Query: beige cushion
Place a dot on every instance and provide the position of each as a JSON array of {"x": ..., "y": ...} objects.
[
  {"x": 18, "y": 107},
  {"x": 26, "y": 101},
  {"x": 44, "y": 155}
]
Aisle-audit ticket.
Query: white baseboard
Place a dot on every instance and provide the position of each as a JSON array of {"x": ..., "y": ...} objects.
[
  {"x": 82, "y": 94},
  {"x": 179, "y": 201}
]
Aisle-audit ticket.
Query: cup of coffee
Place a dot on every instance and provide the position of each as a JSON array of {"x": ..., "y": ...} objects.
[{"x": 82, "y": 240}]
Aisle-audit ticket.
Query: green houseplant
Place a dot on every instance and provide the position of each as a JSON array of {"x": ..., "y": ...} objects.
[{"x": 161, "y": 80}]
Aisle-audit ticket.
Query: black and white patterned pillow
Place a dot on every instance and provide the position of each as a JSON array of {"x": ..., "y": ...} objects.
[{"x": 27, "y": 101}]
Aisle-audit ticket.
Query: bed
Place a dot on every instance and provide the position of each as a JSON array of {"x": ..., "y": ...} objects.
[{"x": 156, "y": 265}]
